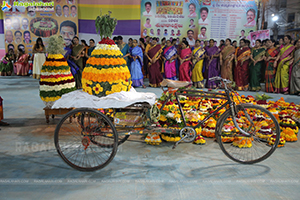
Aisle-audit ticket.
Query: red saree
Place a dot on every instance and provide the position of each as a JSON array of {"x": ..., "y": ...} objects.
[
  {"x": 21, "y": 67},
  {"x": 185, "y": 67},
  {"x": 155, "y": 77},
  {"x": 241, "y": 74}
]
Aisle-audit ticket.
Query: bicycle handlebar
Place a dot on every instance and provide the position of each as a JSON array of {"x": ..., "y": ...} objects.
[{"x": 217, "y": 78}]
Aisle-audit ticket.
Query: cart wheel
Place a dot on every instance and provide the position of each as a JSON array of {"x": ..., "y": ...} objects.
[
  {"x": 259, "y": 123},
  {"x": 89, "y": 143}
]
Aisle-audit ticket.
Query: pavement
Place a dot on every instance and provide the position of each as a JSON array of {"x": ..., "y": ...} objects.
[{"x": 31, "y": 168}]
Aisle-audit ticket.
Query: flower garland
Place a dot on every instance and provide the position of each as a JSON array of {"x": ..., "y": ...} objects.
[{"x": 56, "y": 78}]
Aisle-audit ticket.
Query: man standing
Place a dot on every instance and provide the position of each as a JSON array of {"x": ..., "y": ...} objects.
[
  {"x": 68, "y": 30},
  {"x": 190, "y": 38},
  {"x": 92, "y": 47}
]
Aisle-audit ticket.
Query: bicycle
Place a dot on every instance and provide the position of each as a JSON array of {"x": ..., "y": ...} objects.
[{"x": 97, "y": 138}]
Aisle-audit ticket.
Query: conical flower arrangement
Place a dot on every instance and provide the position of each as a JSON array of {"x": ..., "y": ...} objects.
[
  {"x": 106, "y": 71},
  {"x": 56, "y": 77}
]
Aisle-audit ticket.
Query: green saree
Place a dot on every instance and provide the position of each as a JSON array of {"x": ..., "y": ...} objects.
[{"x": 255, "y": 70}]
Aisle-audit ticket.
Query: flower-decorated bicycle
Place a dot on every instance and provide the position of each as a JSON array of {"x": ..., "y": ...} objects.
[{"x": 246, "y": 133}]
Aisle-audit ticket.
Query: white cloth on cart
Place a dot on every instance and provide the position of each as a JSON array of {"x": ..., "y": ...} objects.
[{"x": 80, "y": 99}]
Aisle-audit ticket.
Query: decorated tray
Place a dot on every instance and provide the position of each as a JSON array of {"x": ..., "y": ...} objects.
[{"x": 43, "y": 27}]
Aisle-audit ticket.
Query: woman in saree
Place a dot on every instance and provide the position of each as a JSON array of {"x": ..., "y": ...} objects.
[
  {"x": 212, "y": 63},
  {"x": 295, "y": 74},
  {"x": 73, "y": 67},
  {"x": 21, "y": 67},
  {"x": 153, "y": 56},
  {"x": 241, "y": 73},
  {"x": 136, "y": 54},
  {"x": 77, "y": 56},
  {"x": 39, "y": 51},
  {"x": 6, "y": 65},
  {"x": 226, "y": 58},
  {"x": 169, "y": 57},
  {"x": 257, "y": 60},
  {"x": 283, "y": 63},
  {"x": 185, "y": 62},
  {"x": 124, "y": 48},
  {"x": 280, "y": 43},
  {"x": 197, "y": 61},
  {"x": 271, "y": 55}
]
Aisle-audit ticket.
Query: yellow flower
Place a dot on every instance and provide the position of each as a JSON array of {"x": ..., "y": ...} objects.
[
  {"x": 162, "y": 118},
  {"x": 89, "y": 90},
  {"x": 98, "y": 88}
]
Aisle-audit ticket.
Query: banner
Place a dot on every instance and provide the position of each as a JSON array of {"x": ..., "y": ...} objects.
[
  {"x": 262, "y": 35},
  {"x": 198, "y": 19},
  {"x": 24, "y": 22}
]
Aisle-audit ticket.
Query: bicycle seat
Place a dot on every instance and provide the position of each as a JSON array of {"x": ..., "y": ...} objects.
[{"x": 174, "y": 84}]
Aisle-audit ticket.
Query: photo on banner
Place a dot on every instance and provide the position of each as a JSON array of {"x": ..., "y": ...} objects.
[
  {"x": 23, "y": 24},
  {"x": 170, "y": 19},
  {"x": 198, "y": 19},
  {"x": 227, "y": 19},
  {"x": 262, "y": 35}
]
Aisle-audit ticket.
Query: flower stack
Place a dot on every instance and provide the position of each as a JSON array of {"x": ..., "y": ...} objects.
[
  {"x": 153, "y": 139},
  {"x": 227, "y": 132},
  {"x": 271, "y": 141},
  {"x": 274, "y": 112},
  {"x": 261, "y": 100},
  {"x": 288, "y": 123},
  {"x": 242, "y": 142},
  {"x": 200, "y": 140},
  {"x": 209, "y": 128},
  {"x": 170, "y": 137},
  {"x": 289, "y": 135},
  {"x": 56, "y": 77},
  {"x": 106, "y": 71},
  {"x": 265, "y": 131}
]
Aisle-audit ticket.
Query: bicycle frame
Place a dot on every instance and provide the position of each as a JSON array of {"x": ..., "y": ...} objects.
[{"x": 208, "y": 94}]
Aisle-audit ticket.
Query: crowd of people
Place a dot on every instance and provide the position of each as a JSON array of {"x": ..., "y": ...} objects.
[{"x": 277, "y": 64}]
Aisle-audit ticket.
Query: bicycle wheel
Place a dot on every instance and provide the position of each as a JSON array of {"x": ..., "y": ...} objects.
[
  {"x": 260, "y": 124},
  {"x": 89, "y": 142}
]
